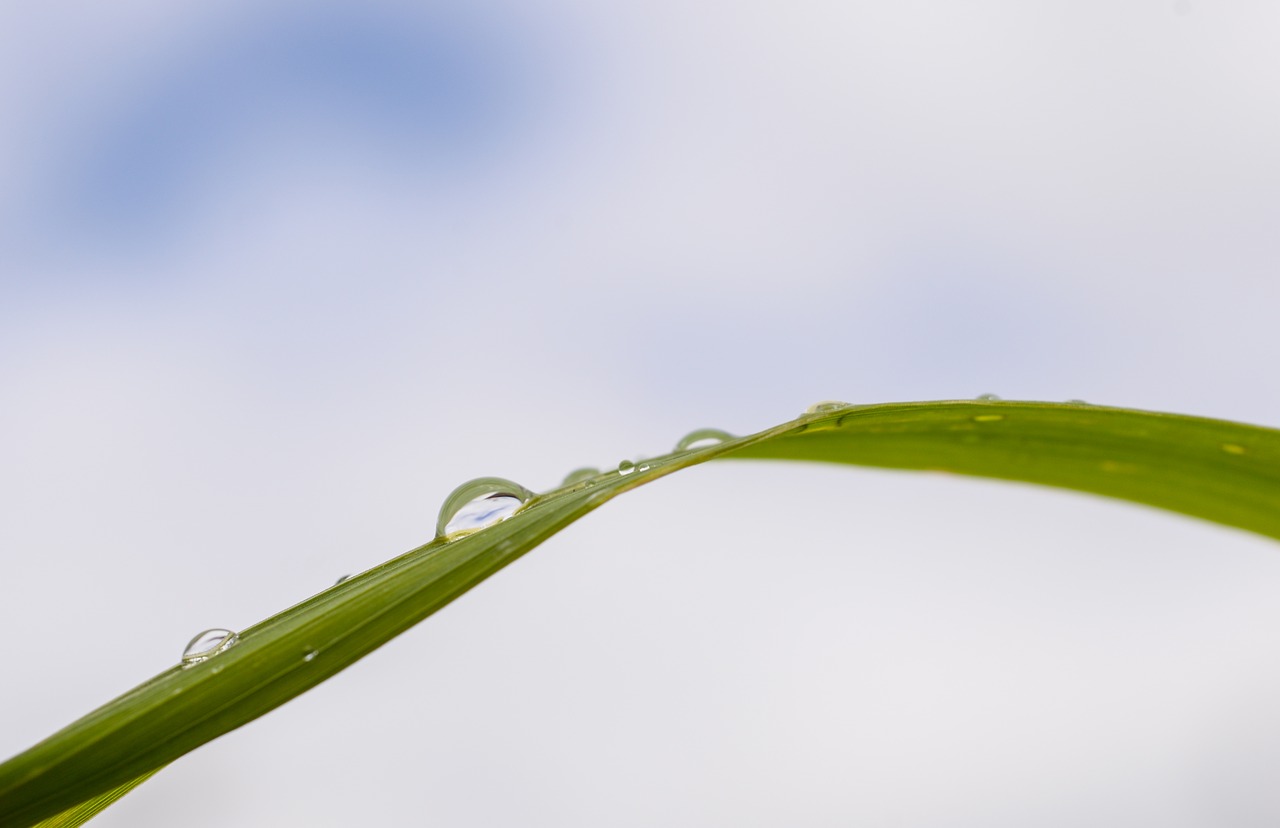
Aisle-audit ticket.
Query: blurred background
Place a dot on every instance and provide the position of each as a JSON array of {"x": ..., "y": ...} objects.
[{"x": 276, "y": 276}]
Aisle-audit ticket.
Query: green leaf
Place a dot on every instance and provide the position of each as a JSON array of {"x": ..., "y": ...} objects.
[
  {"x": 1220, "y": 471},
  {"x": 87, "y": 810}
]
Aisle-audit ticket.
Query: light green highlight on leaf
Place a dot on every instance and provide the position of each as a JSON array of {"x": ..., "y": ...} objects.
[{"x": 87, "y": 810}]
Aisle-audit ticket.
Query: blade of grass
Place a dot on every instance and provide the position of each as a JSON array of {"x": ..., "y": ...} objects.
[
  {"x": 1220, "y": 471},
  {"x": 1216, "y": 470},
  {"x": 87, "y": 810}
]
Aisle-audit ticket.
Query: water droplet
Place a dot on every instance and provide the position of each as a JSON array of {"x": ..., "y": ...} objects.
[
  {"x": 1078, "y": 402},
  {"x": 827, "y": 406},
  {"x": 1233, "y": 448},
  {"x": 702, "y": 438},
  {"x": 479, "y": 503},
  {"x": 208, "y": 644},
  {"x": 579, "y": 475},
  {"x": 643, "y": 467},
  {"x": 988, "y": 418},
  {"x": 341, "y": 579},
  {"x": 987, "y": 398},
  {"x": 310, "y": 655},
  {"x": 626, "y": 467}
]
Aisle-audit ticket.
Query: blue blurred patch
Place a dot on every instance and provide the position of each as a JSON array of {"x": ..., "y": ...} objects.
[{"x": 400, "y": 94}]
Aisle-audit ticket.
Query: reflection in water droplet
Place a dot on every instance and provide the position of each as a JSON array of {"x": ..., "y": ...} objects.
[
  {"x": 341, "y": 579},
  {"x": 825, "y": 406},
  {"x": 310, "y": 655},
  {"x": 987, "y": 398},
  {"x": 479, "y": 503},
  {"x": 626, "y": 467},
  {"x": 1233, "y": 448},
  {"x": 702, "y": 438},
  {"x": 988, "y": 418},
  {"x": 208, "y": 644},
  {"x": 579, "y": 475}
]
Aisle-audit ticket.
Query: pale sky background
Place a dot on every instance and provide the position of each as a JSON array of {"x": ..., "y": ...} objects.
[{"x": 276, "y": 276}]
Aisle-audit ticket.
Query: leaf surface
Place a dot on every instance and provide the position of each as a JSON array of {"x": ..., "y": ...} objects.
[{"x": 1211, "y": 469}]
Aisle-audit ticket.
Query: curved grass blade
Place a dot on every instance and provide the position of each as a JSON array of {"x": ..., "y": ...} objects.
[{"x": 1220, "y": 471}]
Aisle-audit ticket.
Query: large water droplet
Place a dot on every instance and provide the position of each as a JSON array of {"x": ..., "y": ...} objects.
[
  {"x": 827, "y": 406},
  {"x": 626, "y": 467},
  {"x": 579, "y": 475},
  {"x": 479, "y": 503},
  {"x": 987, "y": 398},
  {"x": 702, "y": 438},
  {"x": 341, "y": 579},
  {"x": 208, "y": 644}
]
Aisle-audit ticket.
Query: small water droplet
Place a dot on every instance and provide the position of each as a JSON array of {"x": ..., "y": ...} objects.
[
  {"x": 626, "y": 467},
  {"x": 1078, "y": 402},
  {"x": 479, "y": 503},
  {"x": 988, "y": 418},
  {"x": 987, "y": 398},
  {"x": 643, "y": 467},
  {"x": 827, "y": 406},
  {"x": 579, "y": 475},
  {"x": 208, "y": 644},
  {"x": 702, "y": 438},
  {"x": 310, "y": 655},
  {"x": 341, "y": 579},
  {"x": 1233, "y": 448}
]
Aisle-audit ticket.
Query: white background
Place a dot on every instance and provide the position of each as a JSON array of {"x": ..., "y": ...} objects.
[{"x": 276, "y": 276}]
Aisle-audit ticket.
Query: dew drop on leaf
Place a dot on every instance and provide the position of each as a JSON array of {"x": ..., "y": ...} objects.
[
  {"x": 208, "y": 644},
  {"x": 479, "y": 503},
  {"x": 579, "y": 475},
  {"x": 702, "y": 438},
  {"x": 826, "y": 406},
  {"x": 987, "y": 398},
  {"x": 626, "y": 467}
]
